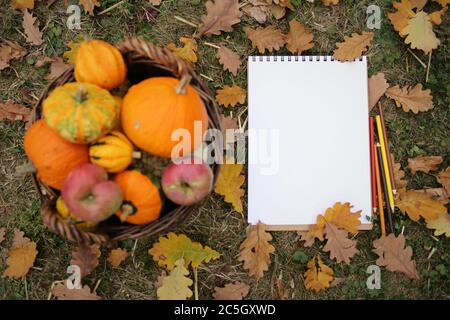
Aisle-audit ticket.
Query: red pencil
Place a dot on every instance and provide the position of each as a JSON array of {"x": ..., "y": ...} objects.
[{"x": 372, "y": 164}]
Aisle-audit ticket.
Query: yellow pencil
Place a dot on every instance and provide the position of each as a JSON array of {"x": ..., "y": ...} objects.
[{"x": 385, "y": 162}]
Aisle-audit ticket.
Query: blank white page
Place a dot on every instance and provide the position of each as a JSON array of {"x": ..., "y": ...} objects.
[{"x": 319, "y": 110}]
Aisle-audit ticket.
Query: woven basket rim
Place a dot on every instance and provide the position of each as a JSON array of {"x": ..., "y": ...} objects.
[{"x": 134, "y": 51}]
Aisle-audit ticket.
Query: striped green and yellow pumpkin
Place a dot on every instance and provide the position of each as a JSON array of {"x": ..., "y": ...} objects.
[
  {"x": 114, "y": 152},
  {"x": 80, "y": 112}
]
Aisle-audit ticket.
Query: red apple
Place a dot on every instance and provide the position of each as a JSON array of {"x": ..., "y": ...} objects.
[
  {"x": 88, "y": 193},
  {"x": 188, "y": 182}
]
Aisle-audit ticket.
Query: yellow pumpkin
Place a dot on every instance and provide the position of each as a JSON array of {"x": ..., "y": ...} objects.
[
  {"x": 154, "y": 108},
  {"x": 67, "y": 215},
  {"x": 114, "y": 152},
  {"x": 80, "y": 112},
  {"x": 100, "y": 63}
]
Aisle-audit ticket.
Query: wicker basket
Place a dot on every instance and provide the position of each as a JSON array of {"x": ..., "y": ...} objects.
[{"x": 144, "y": 60}]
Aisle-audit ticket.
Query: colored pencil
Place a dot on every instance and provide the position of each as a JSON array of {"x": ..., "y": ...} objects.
[
  {"x": 385, "y": 187},
  {"x": 384, "y": 157},
  {"x": 379, "y": 194},
  {"x": 386, "y": 140},
  {"x": 372, "y": 165}
]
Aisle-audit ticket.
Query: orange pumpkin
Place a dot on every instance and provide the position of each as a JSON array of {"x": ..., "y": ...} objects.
[
  {"x": 141, "y": 200},
  {"x": 100, "y": 63},
  {"x": 154, "y": 108},
  {"x": 52, "y": 156}
]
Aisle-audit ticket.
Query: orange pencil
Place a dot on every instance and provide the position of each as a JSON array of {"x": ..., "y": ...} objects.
[{"x": 379, "y": 195}]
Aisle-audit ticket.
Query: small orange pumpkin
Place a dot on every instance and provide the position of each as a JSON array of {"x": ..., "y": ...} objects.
[
  {"x": 52, "y": 156},
  {"x": 100, "y": 63},
  {"x": 154, "y": 108},
  {"x": 141, "y": 199}
]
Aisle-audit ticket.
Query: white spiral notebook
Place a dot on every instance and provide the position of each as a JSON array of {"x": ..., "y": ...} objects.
[{"x": 308, "y": 142}]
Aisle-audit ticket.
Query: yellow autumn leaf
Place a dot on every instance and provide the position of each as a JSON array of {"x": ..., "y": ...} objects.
[
  {"x": 353, "y": 47},
  {"x": 21, "y": 256},
  {"x": 71, "y": 54},
  {"x": 436, "y": 17},
  {"x": 22, "y": 4},
  {"x": 174, "y": 247},
  {"x": 418, "y": 204},
  {"x": 400, "y": 18},
  {"x": 318, "y": 276},
  {"x": 342, "y": 217},
  {"x": 231, "y": 96},
  {"x": 315, "y": 232},
  {"x": 419, "y": 33},
  {"x": 187, "y": 51},
  {"x": 176, "y": 285},
  {"x": 330, "y": 2},
  {"x": 229, "y": 183},
  {"x": 441, "y": 225},
  {"x": 444, "y": 179}
]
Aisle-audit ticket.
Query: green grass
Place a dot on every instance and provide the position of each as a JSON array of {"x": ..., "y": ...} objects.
[{"x": 215, "y": 224}]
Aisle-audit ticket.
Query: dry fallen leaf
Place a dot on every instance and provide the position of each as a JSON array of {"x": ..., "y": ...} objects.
[
  {"x": 86, "y": 258},
  {"x": 411, "y": 99},
  {"x": 438, "y": 194},
  {"x": 400, "y": 18},
  {"x": 330, "y": 2},
  {"x": 89, "y": 6},
  {"x": 220, "y": 16},
  {"x": 255, "y": 250},
  {"x": 231, "y": 291},
  {"x": 21, "y": 256},
  {"x": 353, "y": 46},
  {"x": 22, "y": 4},
  {"x": 229, "y": 59},
  {"x": 419, "y": 33},
  {"x": 318, "y": 276},
  {"x": 299, "y": 38},
  {"x": 31, "y": 28},
  {"x": 40, "y": 62},
  {"x": 444, "y": 179},
  {"x": 419, "y": 204},
  {"x": 377, "y": 87},
  {"x": 424, "y": 164},
  {"x": 315, "y": 232},
  {"x": 278, "y": 11},
  {"x": 176, "y": 285},
  {"x": 159, "y": 279},
  {"x": 283, "y": 294},
  {"x": 257, "y": 9},
  {"x": 341, "y": 216},
  {"x": 155, "y": 2},
  {"x": 441, "y": 225},
  {"x": 174, "y": 247},
  {"x": 338, "y": 244},
  {"x": 268, "y": 38},
  {"x": 399, "y": 174},
  {"x": 229, "y": 183},
  {"x": 73, "y": 45},
  {"x": 187, "y": 52},
  {"x": 418, "y": 4},
  {"x": 8, "y": 51},
  {"x": 443, "y": 3},
  {"x": 61, "y": 292},
  {"x": 231, "y": 96},
  {"x": 14, "y": 111},
  {"x": 228, "y": 123},
  {"x": 395, "y": 256},
  {"x": 2, "y": 234},
  {"x": 117, "y": 256},
  {"x": 57, "y": 68},
  {"x": 436, "y": 16}
]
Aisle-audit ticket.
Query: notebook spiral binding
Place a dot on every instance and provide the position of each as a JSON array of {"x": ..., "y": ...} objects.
[{"x": 295, "y": 58}]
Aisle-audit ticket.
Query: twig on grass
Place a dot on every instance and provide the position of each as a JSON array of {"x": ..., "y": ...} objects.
[
  {"x": 189, "y": 23},
  {"x": 428, "y": 66},
  {"x": 417, "y": 58},
  {"x": 111, "y": 8}
]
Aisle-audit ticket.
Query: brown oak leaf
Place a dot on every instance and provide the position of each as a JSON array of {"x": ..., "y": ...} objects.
[
  {"x": 220, "y": 16},
  {"x": 436, "y": 16},
  {"x": 57, "y": 68},
  {"x": 31, "y": 28},
  {"x": 353, "y": 46},
  {"x": 22, "y": 4},
  {"x": 2, "y": 234},
  {"x": 255, "y": 250},
  {"x": 424, "y": 163},
  {"x": 14, "y": 111},
  {"x": 229, "y": 59},
  {"x": 399, "y": 174},
  {"x": 89, "y": 6},
  {"x": 21, "y": 256},
  {"x": 231, "y": 96},
  {"x": 377, "y": 87},
  {"x": 418, "y": 204},
  {"x": 418, "y": 4},
  {"x": 228, "y": 123},
  {"x": 85, "y": 257},
  {"x": 299, "y": 38},
  {"x": 438, "y": 194},
  {"x": 62, "y": 292},
  {"x": 400, "y": 18},
  {"x": 117, "y": 256},
  {"x": 411, "y": 99},
  {"x": 444, "y": 179},
  {"x": 257, "y": 9},
  {"x": 395, "y": 256},
  {"x": 341, "y": 216},
  {"x": 338, "y": 244},
  {"x": 441, "y": 225},
  {"x": 8, "y": 51},
  {"x": 231, "y": 291},
  {"x": 268, "y": 38},
  {"x": 315, "y": 232},
  {"x": 330, "y": 2}
]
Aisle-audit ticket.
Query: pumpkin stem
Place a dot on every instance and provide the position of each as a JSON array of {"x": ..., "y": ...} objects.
[
  {"x": 127, "y": 209},
  {"x": 81, "y": 95},
  {"x": 181, "y": 86}
]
